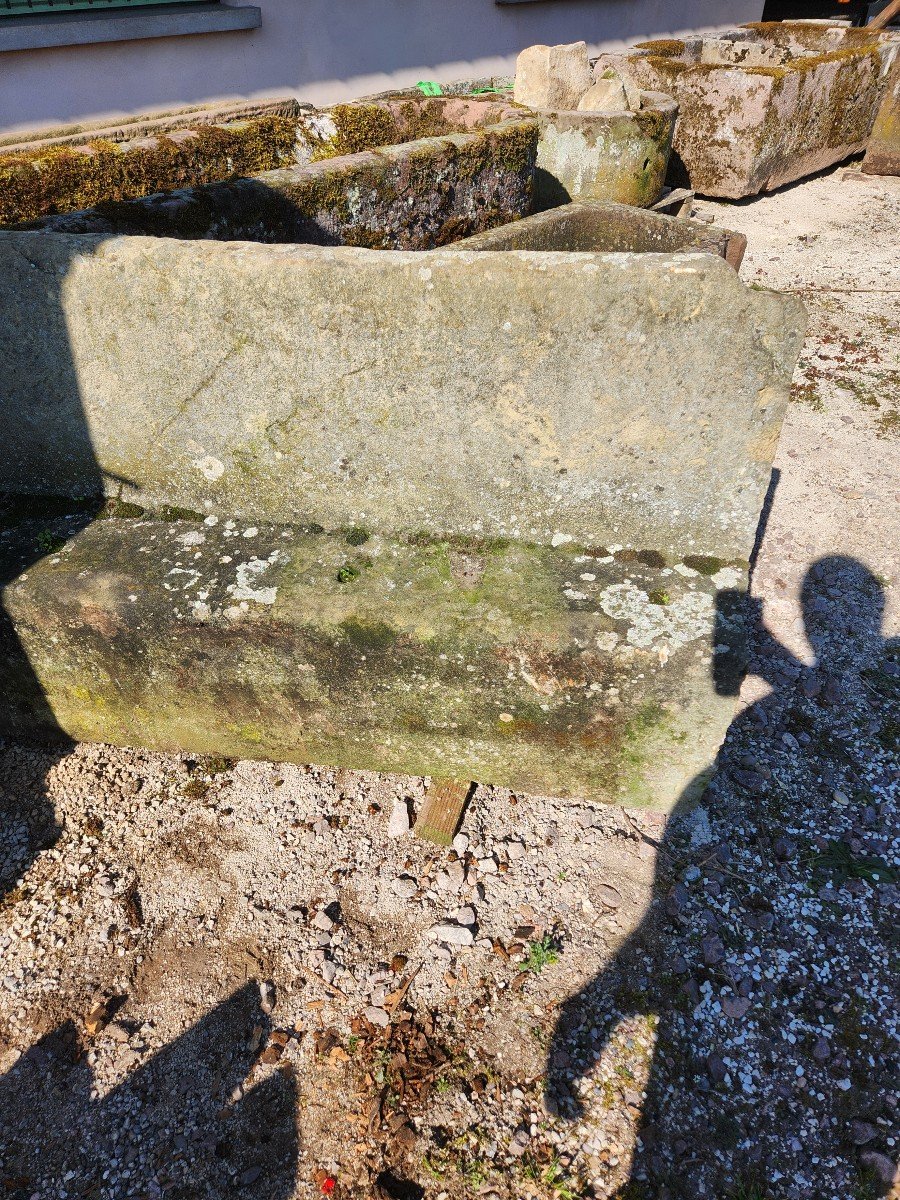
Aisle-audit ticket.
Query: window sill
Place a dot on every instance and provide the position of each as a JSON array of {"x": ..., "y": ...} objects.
[{"x": 44, "y": 30}]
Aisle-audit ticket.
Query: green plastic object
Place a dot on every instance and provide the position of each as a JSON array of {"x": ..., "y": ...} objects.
[{"x": 428, "y": 88}]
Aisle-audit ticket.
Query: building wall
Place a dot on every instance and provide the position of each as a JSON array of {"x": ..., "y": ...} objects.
[{"x": 327, "y": 50}]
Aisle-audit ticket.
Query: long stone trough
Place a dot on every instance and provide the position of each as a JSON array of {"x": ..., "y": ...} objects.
[
  {"x": 765, "y": 104},
  {"x": 483, "y": 513}
]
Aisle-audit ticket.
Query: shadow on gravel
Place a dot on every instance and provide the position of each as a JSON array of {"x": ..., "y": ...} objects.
[
  {"x": 186, "y": 1123},
  {"x": 763, "y": 966},
  {"x": 49, "y": 441}
]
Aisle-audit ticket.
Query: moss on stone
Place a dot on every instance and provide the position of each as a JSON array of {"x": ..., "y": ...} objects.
[
  {"x": 40, "y": 183},
  {"x": 662, "y": 46},
  {"x": 704, "y": 564}
]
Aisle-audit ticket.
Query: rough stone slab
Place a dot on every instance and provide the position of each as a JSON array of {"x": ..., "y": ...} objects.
[
  {"x": 536, "y": 668},
  {"x": 767, "y": 104},
  {"x": 389, "y": 120},
  {"x": 552, "y": 77},
  {"x": 550, "y": 398},
  {"x": 883, "y": 150},
  {"x": 606, "y": 95}
]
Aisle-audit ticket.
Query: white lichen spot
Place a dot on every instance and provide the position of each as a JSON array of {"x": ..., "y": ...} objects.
[
  {"x": 210, "y": 520},
  {"x": 210, "y": 468},
  {"x": 607, "y": 641},
  {"x": 248, "y": 573},
  {"x": 685, "y": 619},
  {"x": 573, "y": 595},
  {"x": 587, "y": 577},
  {"x": 728, "y": 577},
  {"x": 182, "y": 585},
  {"x": 560, "y": 539},
  {"x": 193, "y": 538},
  {"x": 251, "y": 531},
  {"x": 687, "y": 572}
]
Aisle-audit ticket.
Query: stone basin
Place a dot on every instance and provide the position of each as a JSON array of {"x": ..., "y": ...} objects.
[
  {"x": 480, "y": 513},
  {"x": 765, "y": 104},
  {"x": 590, "y": 225}
]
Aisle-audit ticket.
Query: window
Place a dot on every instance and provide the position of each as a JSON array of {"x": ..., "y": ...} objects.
[{"x": 22, "y": 8}]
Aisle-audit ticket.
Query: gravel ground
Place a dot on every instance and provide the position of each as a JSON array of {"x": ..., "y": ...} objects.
[{"x": 228, "y": 979}]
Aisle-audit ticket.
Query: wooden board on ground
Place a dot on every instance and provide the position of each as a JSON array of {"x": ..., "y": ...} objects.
[{"x": 440, "y": 816}]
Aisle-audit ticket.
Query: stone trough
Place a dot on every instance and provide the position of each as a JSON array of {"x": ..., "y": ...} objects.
[
  {"x": 483, "y": 513},
  {"x": 617, "y": 156},
  {"x": 592, "y": 225},
  {"x": 765, "y": 104},
  {"x": 883, "y": 149}
]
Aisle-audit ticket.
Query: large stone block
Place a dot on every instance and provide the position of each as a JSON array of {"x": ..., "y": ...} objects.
[
  {"x": 883, "y": 150},
  {"x": 494, "y": 394},
  {"x": 474, "y": 513},
  {"x": 768, "y": 103},
  {"x": 565, "y": 670},
  {"x": 552, "y": 77}
]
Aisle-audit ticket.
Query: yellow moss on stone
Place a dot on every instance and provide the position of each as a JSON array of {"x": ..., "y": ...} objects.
[{"x": 41, "y": 183}]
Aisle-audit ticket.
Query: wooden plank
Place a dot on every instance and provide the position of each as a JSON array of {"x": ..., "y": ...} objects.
[
  {"x": 440, "y": 816},
  {"x": 886, "y": 14}
]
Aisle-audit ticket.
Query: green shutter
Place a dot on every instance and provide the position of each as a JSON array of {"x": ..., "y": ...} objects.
[{"x": 21, "y": 8}]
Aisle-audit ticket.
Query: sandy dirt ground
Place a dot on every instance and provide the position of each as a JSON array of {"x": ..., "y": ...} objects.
[{"x": 225, "y": 978}]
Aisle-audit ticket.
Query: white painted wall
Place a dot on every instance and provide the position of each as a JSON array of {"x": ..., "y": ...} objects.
[{"x": 326, "y": 50}]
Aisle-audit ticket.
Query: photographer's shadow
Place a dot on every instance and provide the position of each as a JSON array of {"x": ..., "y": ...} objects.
[{"x": 708, "y": 1118}]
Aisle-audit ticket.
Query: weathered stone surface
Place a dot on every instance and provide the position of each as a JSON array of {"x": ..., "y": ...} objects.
[
  {"x": 548, "y": 398},
  {"x": 766, "y": 104},
  {"x": 606, "y": 95},
  {"x": 58, "y": 175},
  {"x": 409, "y": 196},
  {"x": 608, "y": 156},
  {"x": 883, "y": 150},
  {"x": 591, "y": 225},
  {"x": 552, "y": 77},
  {"x": 394, "y": 118},
  {"x": 559, "y": 671},
  {"x": 605, "y": 156}
]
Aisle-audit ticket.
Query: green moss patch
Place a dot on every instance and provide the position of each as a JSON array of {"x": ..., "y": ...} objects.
[{"x": 41, "y": 183}]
